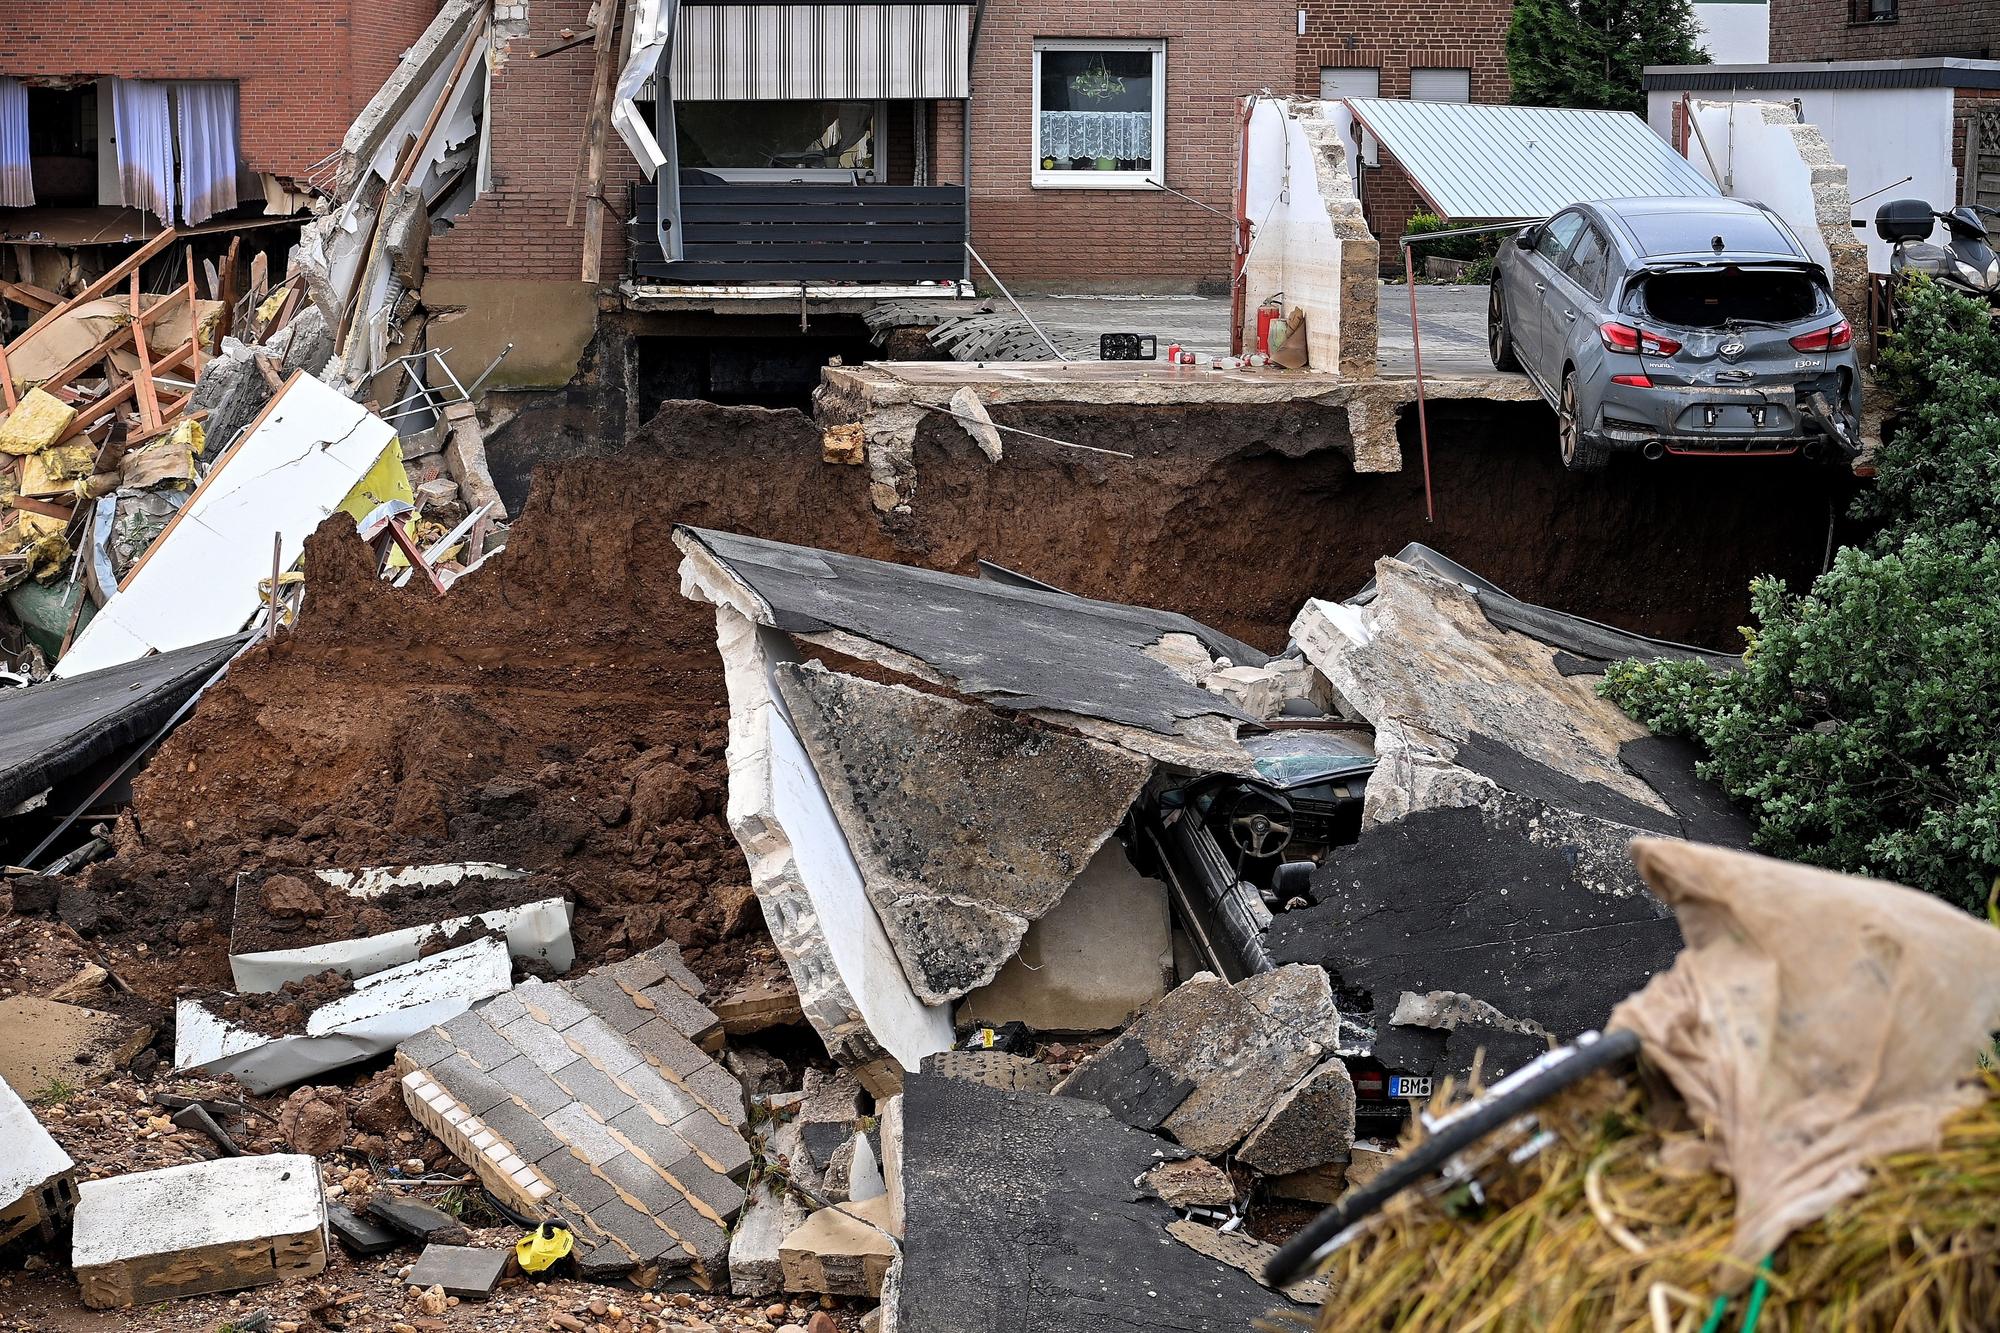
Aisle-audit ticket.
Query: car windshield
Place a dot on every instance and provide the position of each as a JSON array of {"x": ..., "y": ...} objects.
[{"x": 1709, "y": 298}]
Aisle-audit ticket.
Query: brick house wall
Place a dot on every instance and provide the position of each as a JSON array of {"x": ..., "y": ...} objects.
[
  {"x": 304, "y": 68},
  {"x": 1394, "y": 39},
  {"x": 1820, "y": 30},
  {"x": 1218, "y": 52}
]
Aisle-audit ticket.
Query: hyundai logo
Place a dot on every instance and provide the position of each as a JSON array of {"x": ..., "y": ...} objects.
[{"x": 1731, "y": 349}]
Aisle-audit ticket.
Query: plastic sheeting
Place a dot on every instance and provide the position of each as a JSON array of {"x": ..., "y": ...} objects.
[
  {"x": 144, "y": 129},
  {"x": 1814, "y": 1021},
  {"x": 206, "y": 121},
  {"x": 17, "y": 176}
]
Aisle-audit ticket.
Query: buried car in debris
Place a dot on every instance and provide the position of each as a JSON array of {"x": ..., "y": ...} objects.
[{"x": 1683, "y": 326}]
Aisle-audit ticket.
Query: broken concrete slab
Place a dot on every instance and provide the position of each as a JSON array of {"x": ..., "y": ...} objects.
[
  {"x": 1492, "y": 863},
  {"x": 993, "y": 1069},
  {"x": 967, "y": 823},
  {"x": 358, "y": 1235},
  {"x": 1308, "y": 1127},
  {"x": 536, "y": 929},
  {"x": 1207, "y": 1061},
  {"x": 1077, "y": 663},
  {"x": 1245, "y": 1253},
  {"x": 583, "y": 1101},
  {"x": 1036, "y": 1195},
  {"x": 851, "y": 986},
  {"x": 420, "y": 1221},
  {"x": 759, "y": 1004},
  {"x": 970, "y": 411},
  {"x": 47, "y": 1046},
  {"x": 844, "y": 1250},
  {"x": 37, "y": 1178},
  {"x": 464, "y": 1271},
  {"x": 769, "y": 1215},
  {"x": 186, "y": 1230},
  {"x": 1194, "y": 1182},
  {"x": 1101, "y": 954},
  {"x": 382, "y": 1009}
]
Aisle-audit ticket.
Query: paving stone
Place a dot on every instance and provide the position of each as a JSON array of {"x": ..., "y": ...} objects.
[
  {"x": 601, "y": 1263},
  {"x": 521, "y": 1129},
  {"x": 652, "y": 1192},
  {"x": 420, "y": 1221},
  {"x": 709, "y": 1241},
  {"x": 663, "y": 1044},
  {"x": 479, "y": 1041},
  {"x": 470, "y": 1084},
  {"x": 659, "y": 1142},
  {"x": 718, "y": 1192},
  {"x": 696, "y": 1021},
  {"x": 609, "y": 1002},
  {"x": 501, "y": 1010},
  {"x": 594, "y": 1088},
  {"x": 634, "y": 1228},
  {"x": 572, "y": 1177},
  {"x": 463, "y": 1271},
  {"x": 650, "y": 1089},
  {"x": 539, "y": 1042},
  {"x": 718, "y": 1089},
  {"x": 640, "y": 970},
  {"x": 426, "y": 1048},
  {"x": 582, "y": 1131},
  {"x": 602, "y": 1045},
  {"x": 359, "y": 1235},
  {"x": 716, "y": 1141},
  {"x": 553, "y": 1004},
  {"x": 529, "y": 1084}
]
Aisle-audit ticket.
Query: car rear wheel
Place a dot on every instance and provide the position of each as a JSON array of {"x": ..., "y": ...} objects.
[
  {"x": 1499, "y": 342},
  {"x": 1579, "y": 453}
]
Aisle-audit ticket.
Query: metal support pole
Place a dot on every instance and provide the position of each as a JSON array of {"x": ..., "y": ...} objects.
[
  {"x": 1046, "y": 342},
  {"x": 1417, "y": 347}
]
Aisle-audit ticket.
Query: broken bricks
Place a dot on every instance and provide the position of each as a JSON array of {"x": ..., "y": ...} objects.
[{"x": 210, "y": 1226}]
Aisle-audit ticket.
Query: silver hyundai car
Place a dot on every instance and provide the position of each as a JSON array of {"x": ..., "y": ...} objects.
[{"x": 1677, "y": 326}]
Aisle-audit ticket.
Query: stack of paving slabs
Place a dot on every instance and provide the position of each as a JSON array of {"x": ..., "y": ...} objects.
[{"x": 593, "y": 1103}]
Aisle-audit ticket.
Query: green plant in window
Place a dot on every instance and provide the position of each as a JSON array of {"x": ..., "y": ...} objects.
[{"x": 1098, "y": 84}]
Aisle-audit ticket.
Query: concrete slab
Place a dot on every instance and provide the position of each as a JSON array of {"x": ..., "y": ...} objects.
[
  {"x": 37, "y": 1185},
  {"x": 844, "y": 1250},
  {"x": 967, "y": 823},
  {"x": 464, "y": 1271},
  {"x": 1099, "y": 956},
  {"x": 211, "y": 1226},
  {"x": 47, "y": 1045}
]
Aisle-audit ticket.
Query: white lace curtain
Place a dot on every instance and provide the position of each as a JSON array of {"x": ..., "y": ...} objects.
[
  {"x": 1119, "y": 134},
  {"x": 17, "y": 176},
  {"x": 206, "y": 115},
  {"x": 144, "y": 129},
  {"x": 176, "y": 147}
]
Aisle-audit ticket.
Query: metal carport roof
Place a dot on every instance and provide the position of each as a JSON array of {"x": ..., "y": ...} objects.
[{"x": 1474, "y": 162}]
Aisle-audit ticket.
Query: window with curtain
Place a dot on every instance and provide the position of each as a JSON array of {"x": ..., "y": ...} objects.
[
  {"x": 144, "y": 130},
  {"x": 176, "y": 145},
  {"x": 1100, "y": 113},
  {"x": 17, "y": 173},
  {"x": 205, "y": 118}
]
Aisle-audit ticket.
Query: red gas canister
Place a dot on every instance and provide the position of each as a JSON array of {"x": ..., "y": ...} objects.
[{"x": 1269, "y": 313}]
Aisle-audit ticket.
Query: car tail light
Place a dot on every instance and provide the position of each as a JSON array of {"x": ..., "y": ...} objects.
[
  {"x": 1635, "y": 381},
  {"x": 1829, "y": 339},
  {"x": 1624, "y": 338}
]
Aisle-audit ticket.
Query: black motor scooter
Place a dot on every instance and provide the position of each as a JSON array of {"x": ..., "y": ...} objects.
[{"x": 1966, "y": 262}]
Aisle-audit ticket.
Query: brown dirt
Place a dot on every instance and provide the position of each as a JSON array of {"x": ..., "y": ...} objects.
[
  {"x": 290, "y": 911},
  {"x": 563, "y": 710}
]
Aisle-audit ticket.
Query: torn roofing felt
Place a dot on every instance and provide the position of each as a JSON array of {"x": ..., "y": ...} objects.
[
  {"x": 52, "y": 730},
  {"x": 1014, "y": 647},
  {"x": 1589, "y": 644}
]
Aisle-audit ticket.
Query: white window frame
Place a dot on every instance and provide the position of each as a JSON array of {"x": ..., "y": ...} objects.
[
  {"x": 1100, "y": 180},
  {"x": 819, "y": 175}
]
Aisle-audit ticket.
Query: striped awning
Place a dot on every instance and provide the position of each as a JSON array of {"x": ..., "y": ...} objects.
[{"x": 730, "y": 53}]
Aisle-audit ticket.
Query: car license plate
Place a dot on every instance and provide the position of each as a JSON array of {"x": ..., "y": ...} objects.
[{"x": 1411, "y": 1089}]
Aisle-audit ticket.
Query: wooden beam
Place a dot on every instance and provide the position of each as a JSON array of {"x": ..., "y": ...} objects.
[
  {"x": 29, "y": 295},
  {"x": 194, "y": 318},
  {"x": 227, "y": 319},
  {"x": 120, "y": 394},
  {"x": 149, "y": 399},
  {"x": 6, "y": 380},
  {"x": 602, "y": 91},
  {"x": 29, "y": 505},
  {"x": 128, "y": 266}
]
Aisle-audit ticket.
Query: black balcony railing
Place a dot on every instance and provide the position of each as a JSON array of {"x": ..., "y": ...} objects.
[{"x": 778, "y": 232}]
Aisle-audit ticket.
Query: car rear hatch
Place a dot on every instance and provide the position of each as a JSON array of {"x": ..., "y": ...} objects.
[{"x": 1733, "y": 344}]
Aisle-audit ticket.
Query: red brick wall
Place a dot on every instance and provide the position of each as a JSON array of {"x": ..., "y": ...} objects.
[
  {"x": 1819, "y": 30},
  {"x": 520, "y": 228},
  {"x": 304, "y": 67},
  {"x": 1394, "y": 39},
  {"x": 1218, "y": 51}
]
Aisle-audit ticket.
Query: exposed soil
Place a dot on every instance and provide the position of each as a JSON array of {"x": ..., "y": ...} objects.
[
  {"x": 296, "y": 911},
  {"x": 563, "y": 710},
  {"x": 283, "y": 1012}
]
